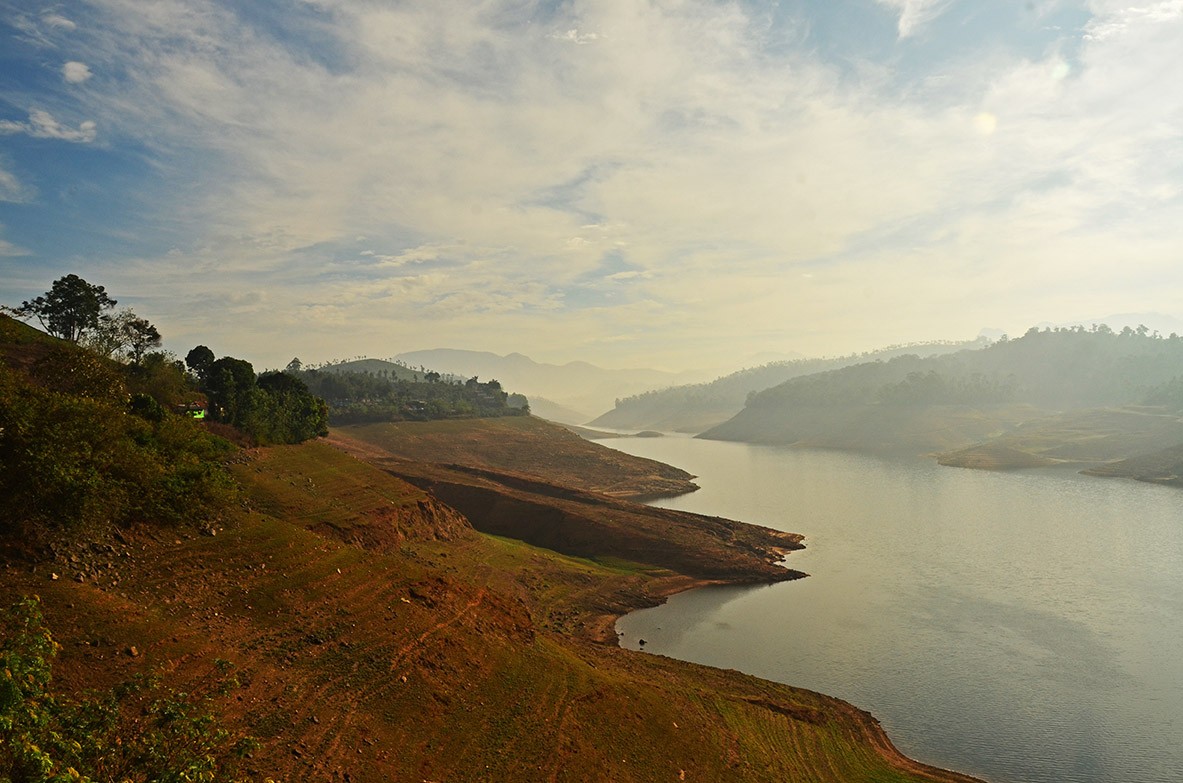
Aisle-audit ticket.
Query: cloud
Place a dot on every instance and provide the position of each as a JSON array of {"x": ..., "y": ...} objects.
[
  {"x": 492, "y": 166},
  {"x": 75, "y": 72},
  {"x": 915, "y": 13},
  {"x": 58, "y": 21},
  {"x": 9, "y": 250},
  {"x": 576, "y": 37},
  {"x": 11, "y": 188},
  {"x": 42, "y": 125}
]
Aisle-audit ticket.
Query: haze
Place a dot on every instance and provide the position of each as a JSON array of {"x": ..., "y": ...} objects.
[{"x": 662, "y": 184}]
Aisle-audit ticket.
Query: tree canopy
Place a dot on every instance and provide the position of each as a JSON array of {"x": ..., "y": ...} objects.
[{"x": 69, "y": 309}]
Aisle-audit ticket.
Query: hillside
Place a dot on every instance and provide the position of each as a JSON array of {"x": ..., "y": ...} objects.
[
  {"x": 374, "y": 633},
  {"x": 429, "y": 652},
  {"x": 1157, "y": 467},
  {"x": 377, "y": 367},
  {"x": 697, "y": 407},
  {"x": 1093, "y": 436},
  {"x": 529, "y": 446},
  {"x": 949, "y": 403}
]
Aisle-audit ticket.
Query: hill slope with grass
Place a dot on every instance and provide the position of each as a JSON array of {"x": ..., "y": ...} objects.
[
  {"x": 529, "y": 446},
  {"x": 447, "y": 656},
  {"x": 371, "y": 631}
]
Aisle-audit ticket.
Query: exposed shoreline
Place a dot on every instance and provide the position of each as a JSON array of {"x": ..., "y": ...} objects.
[{"x": 746, "y": 554}]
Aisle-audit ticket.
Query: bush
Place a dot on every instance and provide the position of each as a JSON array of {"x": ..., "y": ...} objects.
[{"x": 137, "y": 731}]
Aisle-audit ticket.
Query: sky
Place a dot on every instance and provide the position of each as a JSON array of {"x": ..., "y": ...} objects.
[{"x": 670, "y": 183}]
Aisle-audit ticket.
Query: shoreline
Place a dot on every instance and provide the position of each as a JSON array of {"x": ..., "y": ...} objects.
[
  {"x": 757, "y": 556},
  {"x": 602, "y": 630}
]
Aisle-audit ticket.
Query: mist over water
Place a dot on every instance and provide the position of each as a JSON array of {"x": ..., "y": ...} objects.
[{"x": 1020, "y": 626}]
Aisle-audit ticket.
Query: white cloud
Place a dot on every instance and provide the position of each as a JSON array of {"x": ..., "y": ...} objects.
[
  {"x": 576, "y": 37},
  {"x": 11, "y": 188},
  {"x": 472, "y": 148},
  {"x": 75, "y": 72},
  {"x": 42, "y": 125},
  {"x": 58, "y": 21},
  {"x": 916, "y": 13}
]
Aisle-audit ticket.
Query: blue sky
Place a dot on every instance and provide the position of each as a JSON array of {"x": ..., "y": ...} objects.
[{"x": 672, "y": 184}]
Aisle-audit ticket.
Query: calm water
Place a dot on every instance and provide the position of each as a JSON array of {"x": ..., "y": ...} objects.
[{"x": 1023, "y": 627}]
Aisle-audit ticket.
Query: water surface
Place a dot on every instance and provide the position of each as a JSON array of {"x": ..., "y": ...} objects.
[{"x": 1026, "y": 627}]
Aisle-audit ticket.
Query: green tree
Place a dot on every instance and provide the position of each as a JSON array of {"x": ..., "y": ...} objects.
[
  {"x": 230, "y": 384},
  {"x": 287, "y": 412},
  {"x": 69, "y": 309},
  {"x": 199, "y": 359},
  {"x": 139, "y": 337},
  {"x": 123, "y": 333}
]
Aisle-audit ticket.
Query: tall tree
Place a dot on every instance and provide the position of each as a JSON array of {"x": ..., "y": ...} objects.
[
  {"x": 69, "y": 309},
  {"x": 230, "y": 384},
  {"x": 125, "y": 333},
  {"x": 139, "y": 336},
  {"x": 199, "y": 360}
]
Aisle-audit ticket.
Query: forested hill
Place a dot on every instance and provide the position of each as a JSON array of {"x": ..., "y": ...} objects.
[
  {"x": 696, "y": 407},
  {"x": 951, "y": 401}
]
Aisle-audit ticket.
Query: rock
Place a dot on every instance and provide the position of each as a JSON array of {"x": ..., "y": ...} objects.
[{"x": 133, "y": 651}]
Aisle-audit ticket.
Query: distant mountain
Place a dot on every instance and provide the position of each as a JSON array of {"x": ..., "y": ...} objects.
[
  {"x": 697, "y": 407},
  {"x": 952, "y": 402},
  {"x": 576, "y": 385}
]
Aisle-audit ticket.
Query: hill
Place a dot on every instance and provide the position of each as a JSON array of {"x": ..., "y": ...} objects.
[
  {"x": 1158, "y": 467},
  {"x": 576, "y": 385},
  {"x": 377, "y": 367},
  {"x": 375, "y": 633},
  {"x": 1049, "y": 395},
  {"x": 1091, "y": 437},
  {"x": 528, "y": 446},
  {"x": 450, "y": 656},
  {"x": 694, "y": 408}
]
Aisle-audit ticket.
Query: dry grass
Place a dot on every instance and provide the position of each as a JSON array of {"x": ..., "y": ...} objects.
[{"x": 431, "y": 658}]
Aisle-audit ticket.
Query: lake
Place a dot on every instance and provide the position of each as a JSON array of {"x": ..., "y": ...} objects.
[{"x": 1024, "y": 627}]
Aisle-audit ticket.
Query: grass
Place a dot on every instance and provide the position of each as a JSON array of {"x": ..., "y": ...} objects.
[
  {"x": 431, "y": 658},
  {"x": 528, "y": 446}
]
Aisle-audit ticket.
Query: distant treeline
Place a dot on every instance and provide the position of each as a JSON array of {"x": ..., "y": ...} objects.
[
  {"x": 672, "y": 407},
  {"x": 362, "y": 397},
  {"x": 1053, "y": 368}
]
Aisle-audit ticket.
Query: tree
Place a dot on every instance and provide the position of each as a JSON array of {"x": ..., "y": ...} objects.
[
  {"x": 140, "y": 336},
  {"x": 230, "y": 384},
  {"x": 294, "y": 366},
  {"x": 125, "y": 333},
  {"x": 199, "y": 360},
  {"x": 69, "y": 309}
]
